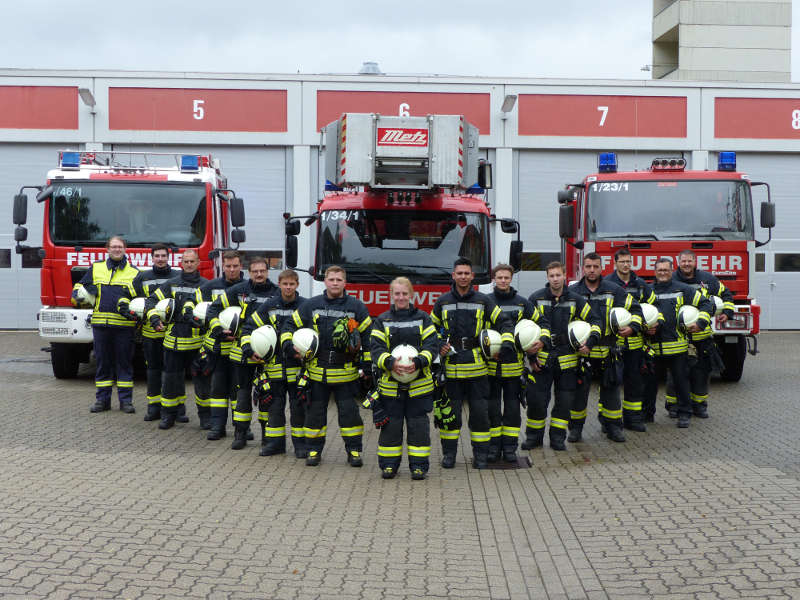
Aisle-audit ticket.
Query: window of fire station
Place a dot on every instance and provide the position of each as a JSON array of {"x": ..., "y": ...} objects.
[
  {"x": 88, "y": 213},
  {"x": 377, "y": 245}
]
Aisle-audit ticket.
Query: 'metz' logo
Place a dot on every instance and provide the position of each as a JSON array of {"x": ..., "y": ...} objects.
[{"x": 402, "y": 137}]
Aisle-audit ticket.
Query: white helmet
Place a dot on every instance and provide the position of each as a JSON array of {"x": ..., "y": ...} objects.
[
  {"x": 618, "y": 318},
  {"x": 263, "y": 341},
  {"x": 649, "y": 314},
  {"x": 404, "y": 355},
  {"x": 526, "y": 334},
  {"x": 306, "y": 342},
  {"x": 719, "y": 305},
  {"x": 687, "y": 316},
  {"x": 136, "y": 307},
  {"x": 199, "y": 312},
  {"x": 165, "y": 309},
  {"x": 490, "y": 342},
  {"x": 578, "y": 332},
  {"x": 230, "y": 317},
  {"x": 85, "y": 297}
]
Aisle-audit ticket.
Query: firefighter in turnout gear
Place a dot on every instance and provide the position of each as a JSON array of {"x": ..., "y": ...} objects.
[
  {"x": 248, "y": 295},
  {"x": 460, "y": 315},
  {"x": 213, "y": 359},
  {"x": 700, "y": 363},
  {"x": 632, "y": 345},
  {"x": 343, "y": 326},
  {"x": 182, "y": 337},
  {"x": 281, "y": 372},
  {"x": 404, "y": 401},
  {"x": 557, "y": 365},
  {"x": 505, "y": 378},
  {"x": 606, "y": 355},
  {"x": 668, "y": 340},
  {"x": 109, "y": 281}
]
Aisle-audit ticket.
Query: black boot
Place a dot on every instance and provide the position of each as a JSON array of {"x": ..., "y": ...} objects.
[
  {"x": 100, "y": 406},
  {"x": 181, "y": 417},
  {"x": 249, "y": 434},
  {"x": 272, "y": 446},
  {"x": 218, "y": 420},
  {"x": 614, "y": 431},
  {"x": 167, "y": 419},
  {"x": 634, "y": 421},
  {"x": 204, "y": 415},
  {"x": 300, "y": 449},
  {"x": 494, "y": 453},
  {"x": 239, "y": 438},
  {"x": 575, "y": 433},
  {"x": 700, "y": 410},
  {"x": 448, "y": 461},
  {"x": 557, "y": 437},
  {"x": 480, "y": 460},
  {"x": 510, "y": 453},
  {"x": 602, "y": 420},
  {"x": 153, "y": 412},
  {"x": 534, "y": 438}
]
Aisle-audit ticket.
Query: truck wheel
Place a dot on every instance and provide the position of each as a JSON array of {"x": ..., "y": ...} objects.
[
  {"x": 733, "y": 356},
  {"x": 65, "y": 359}
]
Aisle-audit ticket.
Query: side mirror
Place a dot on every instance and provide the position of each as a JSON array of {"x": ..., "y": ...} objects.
[
  {"x": 508, "y": 225},
  {"x": 20, "y": 234},
  {"x": 485, "y": 175},
  {"x": 292, "y": 227},
  {"x": 767, "y": 215},
  {"x": 20, "y": 209},
  {"x": 291, "y": 251},
  {"x": 45, "y": 193},
  {"x": 238, "y": 236},
  {"x": 515, "y": 255},
  {"x": 566, "y": 221},
  {"x": 236, "y": 206},
  {"x": 565, "y": 196}
]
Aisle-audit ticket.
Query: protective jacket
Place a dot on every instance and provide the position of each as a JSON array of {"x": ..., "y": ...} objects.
[
  {"x": 109, "y": 281},
  {"x": 151, "y": 279},
  {"x": 608, "y": 295},
  {"x": 209, "y": 292},
  {"x": 641, "y": 292},
  {"x": 334, "y": 362},
  {"x": 409, "y": 326},
  {"x": 274, "y": 311},
  {"x": 709, "y": 285},
  {"x": 516, "y": 308},
  {"x": 182, "y": 333},
  {"x": 670, "y": 296},
  {"x": 460, "y": 319}
]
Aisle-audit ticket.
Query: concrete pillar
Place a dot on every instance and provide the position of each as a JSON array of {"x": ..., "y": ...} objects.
[
  {"x": 503, "y": 172},
  {"x": 303, "y": 204}
]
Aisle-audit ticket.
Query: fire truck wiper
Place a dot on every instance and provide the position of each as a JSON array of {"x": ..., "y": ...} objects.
[
  {"x": 699, "y": 235},
  {"x": 361, "y": 269},
  {"x": 631, "y": 236},
  {"x": 440, "y": 269}
]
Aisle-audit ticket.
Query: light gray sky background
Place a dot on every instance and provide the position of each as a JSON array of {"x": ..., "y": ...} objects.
[{"x": 512, "y": 38}]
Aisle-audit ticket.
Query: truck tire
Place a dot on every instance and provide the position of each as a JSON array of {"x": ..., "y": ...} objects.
[
  {"x": 733, "y": 356},
  {"x": 65, "y": 358}
]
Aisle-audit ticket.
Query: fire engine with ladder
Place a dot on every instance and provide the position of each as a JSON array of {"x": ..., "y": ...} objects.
[
  {"x": 180, "y": 200},
  {"x": 405, "y": 196},
  {"x": 662, "y": 211}
]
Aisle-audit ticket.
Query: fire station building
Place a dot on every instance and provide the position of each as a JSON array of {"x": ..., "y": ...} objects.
[{"x": 539, "y": 135}]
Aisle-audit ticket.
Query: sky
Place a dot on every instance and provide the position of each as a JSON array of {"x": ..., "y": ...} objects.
[{"x": 513, "y": 38}]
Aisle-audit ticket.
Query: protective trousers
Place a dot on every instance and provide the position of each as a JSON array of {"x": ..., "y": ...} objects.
[
  {"x": 202, "y": 397},
  {"x": 173, "y": 386},
  {"x": 414, "y": 412},
  {"x": 243, "y": 412},
  {"x": 699, "y": 376},
  {"x": 633, "y": 386},
  {"x": 153, "y": 349},
  {"x": 504, "y": 412},
  {"x": 538, "y": 393},
  {"x": 113, "y": 349},
  {"x": 350, "y": 423},
  {"x": 273, "y": 418},
  {"x": 475, "y": 391},
  {"x": 608, "y": 405},
  {"x": 678, "y": 367},
  {"x": 223, "y": 393}
]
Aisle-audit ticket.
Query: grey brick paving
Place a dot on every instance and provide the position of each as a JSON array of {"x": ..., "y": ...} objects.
[{"x": 107, "y": 506}]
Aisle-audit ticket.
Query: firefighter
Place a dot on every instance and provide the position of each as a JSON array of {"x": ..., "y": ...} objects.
[
  {"x": 281, "y": 372},
  {"x": 182, "y": 337},
  {"x": 668, "y": 341},
  {"x": 404, "y": 401},
  {"x": 343, "y": 326},
  {"x": 557, "y": 365},
  {"x": 632, "y": 345},
  {"x": 213, "y": 359},
  {"x": 702, "y": 341},
  {"x": 460, "y": 315},
  {"x": 605, "y": 358},
  {"x": 108, "y": 281},
  {"x": 248, "y": 295},
  {"x": 506, "y": 378},
  {"x": 152, "y": 340}
]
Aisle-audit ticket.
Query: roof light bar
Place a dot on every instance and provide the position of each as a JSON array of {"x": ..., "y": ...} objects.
[
  {"x": 607, "y": 162},
  {"x": 726, "y": 161},
  {"x": 190, "y": 163},
  {"x": 70, "y": 160},
  {"x": 668, "y": 164}
]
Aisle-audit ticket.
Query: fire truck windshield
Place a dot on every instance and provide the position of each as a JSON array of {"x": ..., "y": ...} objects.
[
  {"x": 669, "y": 209},
  {"x": 87, "y": 213},
  {"x": 376, "y": 245}
]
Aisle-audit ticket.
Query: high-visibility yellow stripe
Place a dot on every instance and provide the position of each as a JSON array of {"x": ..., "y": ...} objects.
[
  {"x": 576, "y": 415},
  {"x": 535, "y": 423},
  {"x": 315, "y": 433},
  {"x": 449, "y": 434},
  {"x": 390, "y": 451},
  {"x": 277, "y": 432},
  {"x": 242, "y": 416},
  {"x": 480, "y": 436},
  {"x": 419, "y": 451},
  {"x": 510, "y": 431},
  {"x": 558, "y": 423},
  {"x": 351, "y": 431}
]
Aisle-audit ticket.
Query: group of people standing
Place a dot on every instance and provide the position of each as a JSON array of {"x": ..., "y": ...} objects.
[{"x": 355, "y": 359}]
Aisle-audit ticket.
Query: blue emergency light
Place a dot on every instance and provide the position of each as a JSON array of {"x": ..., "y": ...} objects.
[
  {"x": 607, "y": 162},
  {"x": 331, "y": 187},
  {"x": 70, "y": 160},
  {"x": 190, "y": 163},
  {"x": 726, "y": 161}
]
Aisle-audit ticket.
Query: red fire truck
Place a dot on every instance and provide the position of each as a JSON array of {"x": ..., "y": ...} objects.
[
  {"x": 400, "y": 200},
  {"x": 662, "y": 211},
  {"x": 180, "y": 200}
]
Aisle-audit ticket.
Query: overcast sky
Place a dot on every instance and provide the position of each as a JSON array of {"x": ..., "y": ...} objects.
[{"x": 525, "y": 38}]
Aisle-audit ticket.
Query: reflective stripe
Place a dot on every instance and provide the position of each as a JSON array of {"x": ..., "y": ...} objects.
[
  {"x": 403, "y": 324},
  {"x": 351, "y": 431},
  {"x": 449, "y": 434},
  {"x": 558, "y": 423},
  {"x": 169, "y": 402},
  {"x": 496, "y": 432},
  {"x": 315, "y": 433},
  {"x": 577, "y": 414},
  {"x": 298, "y": 432},
  {"x": 631, "y": 405},
  {"x": 480, "y": 436},
  {"x": 419, "y": 451},
  {"x": 462, "y": 306},
  {"x": 510, "y": 431},
  {"x": 263, "y": 416},
  {"x": 612, "y": 414},
  {"x": 154, "y": 400},
  {"x": 202, "y": 402},
  {"x": 329, "y": 312},
  {"x": 390, "y": 451},
  {"x": 278, "y": 432},
  {"x": 699, "y": 397},
  {"x": 218, "y": 402},
  {"x": 535, "y": 423},
  {"x": 242, "y": 417},
  {"x": 104, "y": 383}
]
